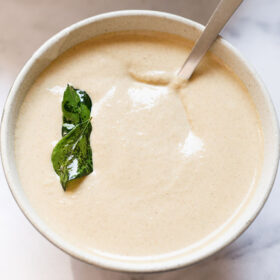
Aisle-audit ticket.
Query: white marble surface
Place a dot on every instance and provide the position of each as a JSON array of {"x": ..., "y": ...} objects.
[{"x": 254, "y": 30}]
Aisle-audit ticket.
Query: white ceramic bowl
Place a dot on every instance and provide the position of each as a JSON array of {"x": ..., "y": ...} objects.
[{"x": 140, "y": 20}]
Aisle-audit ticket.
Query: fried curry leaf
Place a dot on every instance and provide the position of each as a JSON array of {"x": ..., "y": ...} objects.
[
  {"x": 76, "y": 106},
  {"x": 72, "y": 156}
]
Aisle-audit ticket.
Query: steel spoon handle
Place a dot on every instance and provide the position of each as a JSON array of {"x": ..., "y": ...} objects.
[{"x": 217, "y": 21}]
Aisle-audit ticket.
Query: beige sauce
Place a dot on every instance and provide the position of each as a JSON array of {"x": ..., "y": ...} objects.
[{"x": 172, "y": 164}]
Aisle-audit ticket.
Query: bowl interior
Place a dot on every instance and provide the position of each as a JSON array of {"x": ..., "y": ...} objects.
[{"x": 140, "y": 20}]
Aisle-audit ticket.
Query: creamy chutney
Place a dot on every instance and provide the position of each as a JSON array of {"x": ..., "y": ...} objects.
[{"x": 174, "y": 162}]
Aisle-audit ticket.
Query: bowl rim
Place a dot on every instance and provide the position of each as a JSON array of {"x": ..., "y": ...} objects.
[{"x": 74, "y": 251}]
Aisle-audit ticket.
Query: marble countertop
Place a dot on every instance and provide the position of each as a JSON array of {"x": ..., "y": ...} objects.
[{"x": 24, "y": 26}]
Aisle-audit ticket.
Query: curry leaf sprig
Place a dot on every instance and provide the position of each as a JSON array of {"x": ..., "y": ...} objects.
[{"x": 72, "y": 156}]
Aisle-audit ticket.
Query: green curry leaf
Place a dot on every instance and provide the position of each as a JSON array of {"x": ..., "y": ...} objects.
[
  {"x": 76, "y": 106},
  {"x": 72, "y": 156}
]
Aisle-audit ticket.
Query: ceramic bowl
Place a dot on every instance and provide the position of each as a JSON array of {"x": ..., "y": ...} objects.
[{"x": 156, "y": 21}]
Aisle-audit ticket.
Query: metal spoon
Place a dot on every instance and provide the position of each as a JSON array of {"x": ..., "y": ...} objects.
[{"x": 217, "y": 21}]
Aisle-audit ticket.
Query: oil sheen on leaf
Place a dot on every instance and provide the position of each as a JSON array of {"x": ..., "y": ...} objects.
[
  {"x": 72, "y": 156},
  {"x": 76, "y": 106}
]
